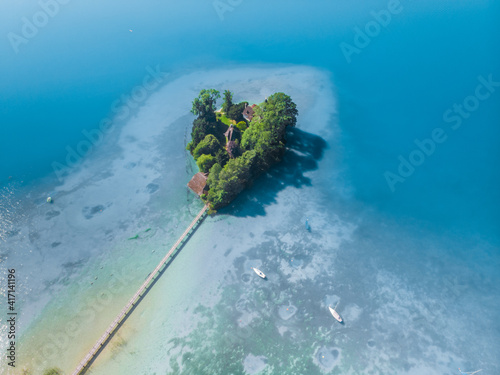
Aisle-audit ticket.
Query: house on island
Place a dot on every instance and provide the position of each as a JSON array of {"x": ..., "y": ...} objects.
[
  {"x": 248, "y": 112},
  {"x": 198, "y": 183},
  {"x": 231, "y": 145}
]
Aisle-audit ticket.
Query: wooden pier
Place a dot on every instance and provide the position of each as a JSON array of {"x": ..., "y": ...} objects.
[{"x": 115, "y": 324}]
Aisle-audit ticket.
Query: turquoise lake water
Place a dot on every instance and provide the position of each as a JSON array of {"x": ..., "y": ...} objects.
[{"x": 427, "y": 246}]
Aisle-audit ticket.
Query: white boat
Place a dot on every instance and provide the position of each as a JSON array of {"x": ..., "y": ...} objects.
[
  {"x": 259, "y": 272},
  {"x": 468, "y": 373},
  {"x": 335, "y": 313}
]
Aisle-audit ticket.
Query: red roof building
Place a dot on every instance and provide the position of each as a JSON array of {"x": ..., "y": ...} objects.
[
  {"x": 248, "y": 112},
  {"x": 198, "y": 183}
]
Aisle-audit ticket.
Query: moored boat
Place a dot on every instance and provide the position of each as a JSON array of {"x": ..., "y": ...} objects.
[
  {"x": 336, "y": 314},
  {"x": 259, "y": 272}
]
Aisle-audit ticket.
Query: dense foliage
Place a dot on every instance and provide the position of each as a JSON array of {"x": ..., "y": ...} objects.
[
  {"x": 208, "y": 146},
  {"x": 204, "y": 104},
  {"x": 205, "y": 162},
  {"x": 254, "y": 147},
  {"x": 203, "y": 127},
  {"x": 242, "y": 126},
  {"x": 236, "y": 112},
  {"x": 228, "y": 101}
]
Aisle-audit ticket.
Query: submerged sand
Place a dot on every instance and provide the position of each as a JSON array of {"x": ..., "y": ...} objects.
[
  {"x": 136, "y": 180},
  {"x": 210, "y": 313}
]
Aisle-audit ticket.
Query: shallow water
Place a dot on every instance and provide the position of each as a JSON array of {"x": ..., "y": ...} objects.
[
  {"x": 209, "y": 313},
  {"x": 415, "y": 271}
]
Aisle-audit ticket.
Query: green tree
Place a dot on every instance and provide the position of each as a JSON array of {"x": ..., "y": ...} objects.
[
  {"x": 205, "y": 162},
  {"x": 251, "y": 136},
  {"x": 236, "y": 112},
  {"x": 228, "y": 101},
  {"x": 268, "y": 152},
  {"x": 242, "y": 125},
  {"x": 281, "y": 111},
  {"x": 267, "y": 133},
  {"x": 209, "y": 146},
  {"x": 222, "y": 157},
  {"x": 203, "y": 127},
  {"x": 213, "y": 175},
  {"x": 233, "y": 149},
  {"x": 254, "y": 149},
  {"x": 205, "y": 104},
  {"x": 232, "y": 179}
]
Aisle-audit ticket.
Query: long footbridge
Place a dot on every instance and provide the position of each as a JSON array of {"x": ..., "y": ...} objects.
[{"x": 115, "y": 324}]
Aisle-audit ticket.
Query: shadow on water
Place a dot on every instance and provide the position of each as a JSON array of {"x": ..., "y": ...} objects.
[{"x": 304, "y": 151}]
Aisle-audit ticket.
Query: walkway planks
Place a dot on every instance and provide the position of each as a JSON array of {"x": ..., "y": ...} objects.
[{"x": 92, "y": 354}]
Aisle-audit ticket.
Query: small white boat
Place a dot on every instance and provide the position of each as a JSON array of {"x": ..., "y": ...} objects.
[
  {"x": 468, "y": 373},
  {"x": 335, "y": 313},
  {"x": 259, "y": 272}
]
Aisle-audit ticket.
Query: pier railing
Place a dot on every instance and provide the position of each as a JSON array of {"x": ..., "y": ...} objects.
[{"x": 115, "y": 324}]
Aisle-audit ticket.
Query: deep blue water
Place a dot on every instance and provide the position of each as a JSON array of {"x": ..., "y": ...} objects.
[
  {"x": 396, "y": 90},
  {"x": 428, "y": 57}
]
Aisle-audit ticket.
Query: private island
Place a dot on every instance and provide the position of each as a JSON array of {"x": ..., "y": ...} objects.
[
  {"x": 231, "y": 146},
  {"x": 235, "y": 144}
]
